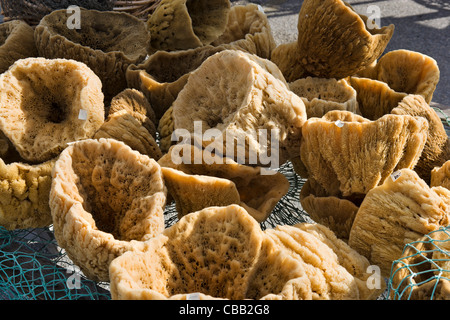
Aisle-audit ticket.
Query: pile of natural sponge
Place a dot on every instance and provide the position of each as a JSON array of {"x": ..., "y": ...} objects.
[{"x": 102, "y": 127}]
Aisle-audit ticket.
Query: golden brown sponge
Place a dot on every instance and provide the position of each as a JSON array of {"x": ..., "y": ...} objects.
[
  {"x": 322, "y": 95},
  {"x": 218, "y": 252},
  {"x": 185, "y": 24},
  {"x": 162, "y": 76},
  {"x": 195, "y": 192},
  {"x": 440, "y": 176},
  {"x": 123, "y": 126},
  {"x": 24, "y": 194},
  {"x": 334, "y": 41},
  {"x": 47, "y": 103},
  {"x": 401, "y": 210},
  {"x": 241, "y": 96},
  {"x": 335, "y": 270},
  {"x": 16, "y": 42},
  {"x": 105, "y": 199},
  {"x": 376, "y": 98},
  {"x": 259, "y": 192},
  {"x": 336, "y": 213},
  {"x": 406, "y": 71},
  {"x": 108, "y": 42},
  {"x": 360, "y": 154}
]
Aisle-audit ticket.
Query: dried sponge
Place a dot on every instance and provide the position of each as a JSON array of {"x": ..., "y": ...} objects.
[
  {"x": 186, "y": 24},
  {"x": 47, "y": 103},
  {"x": 376, "y": 98},
  {"x": 334, "y": 212},
  {"x": 440, "y": 176},
  {"x": 322, "y": 95},
  {"x": 108, "y": 42},
  {"x": 123, "y": 126},
  {"x": 334, "y": 41},
  {"x": 285, "y": 56},
  {"x": 406, "y": 71},
  {"x": 16, "y": 42},
  {"x": 259, "y": 191},
  {"x": 218, "y": 252},
  {"x": 135, "y": 103},
  {"x": 335, "y": 270},
  {"x": 105, "y": 199},
  {"x": 24, "y": 195},
  {"x": 195, "y": 192},
  {"x": 360, "y": 154},
  {"x": 241, "y": 97},
  {"x": 401, "y": 210}
]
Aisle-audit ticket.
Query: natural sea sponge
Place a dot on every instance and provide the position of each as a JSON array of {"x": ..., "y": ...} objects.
[
  {"x": 135, "y": 103},
  {"x": 105, "y": 199},
  {"x": 123, "y": 126},
  {"x": 16, "y": 42},
  {"x": 195, "y": 192},
  {"x": 185, "y": 24},
  {"x": 336, "y": 271},
  {"x": 259, "y": 191},
  {"x": 334, "y": 212},
  {"x": 24, "y": 194},
  {"x": 401, "y": 210},
  {"x": 108, "y": 42},
  {"x": 406, "y": 71},
  {"x": 162, "y": 76},
  {"x": 376, "y": 98},
  {"x": 440, "y": 176},
  {"x": 285, "y": 57},
  {"x": 218, "y": 252},
  {"x": 322, "y": 95},
  {"x": 241, "y": 97},
  {"x": 360, "y": 154},
  {"x": 47, "y": 103},
  {"x": 334, "y": 41},
  {"x": 422, "y": 272}
]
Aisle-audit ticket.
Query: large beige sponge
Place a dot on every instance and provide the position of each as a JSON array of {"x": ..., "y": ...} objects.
[
  {"x": 401, "y": 210},
  {"x": 440, "y": 176},
  {"x": 186, "y": 24},
  {"x": 241, "y": 96},
  {"x": 218, "y": 252},
  {"x": 16, "y": 42},
  {"x": 334, "y": 41},
  {"x": 360, "y": 154},
  {"x": 259, "y": 190},
  {"x": 47, "y": 103},
  {"x": 336, "y": 271},
  {"x": 24, "y": 194},
  {"x": 108, "y": 42},
  {"x": 105, "y": 199},
  {"x": 406, "y": 71}
]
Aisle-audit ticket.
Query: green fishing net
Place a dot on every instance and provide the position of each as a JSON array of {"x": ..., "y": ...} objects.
[
  {"x": 34, "y": 267},
  {"x": 423, "y": 271}
]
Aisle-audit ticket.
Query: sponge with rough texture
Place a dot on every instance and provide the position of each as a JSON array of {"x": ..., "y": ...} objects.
[
  {"x": 401, "y": 210},
  {"x": 186, "y": 24},
  {"x": 108, "y": 42},
  {"x": 242, "y": 97},
  {"x": 360, "y": 154},
  {"x": 105, "y": 199},
  {"x": 47, "y": 103},
  {"x": 16, "y": 42}
]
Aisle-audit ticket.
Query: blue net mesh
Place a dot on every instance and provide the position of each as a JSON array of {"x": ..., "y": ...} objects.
[
  {"x": 424, "y": 266},
  {"x": 34, "y": 267}
]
